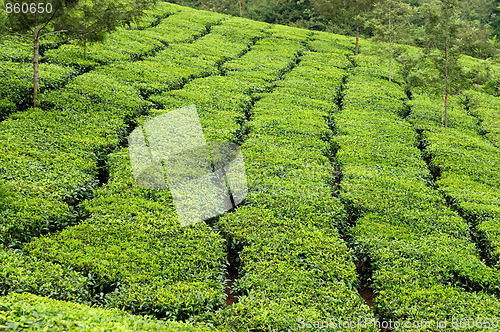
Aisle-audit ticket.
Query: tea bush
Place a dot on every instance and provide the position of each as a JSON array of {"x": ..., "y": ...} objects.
[
  {"x": 485, "y": 108},
  {"x": 26, "y": 312},
  {"x": 148, "y": 263},
  {"x": 294, "y": 264},
  {"x": 21, "y": 273},
  {"x": 16, "y": 82},
  {"x": 312, "y": 126},
  {"x": 50, "y": 173},
  {"x": 14, "y": 52},
  {"x": 468, "y": 165},
  {"x": 404, "y": 227}
]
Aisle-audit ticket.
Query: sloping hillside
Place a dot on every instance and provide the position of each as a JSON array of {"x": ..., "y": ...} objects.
[{"x": 362, "y": 209}]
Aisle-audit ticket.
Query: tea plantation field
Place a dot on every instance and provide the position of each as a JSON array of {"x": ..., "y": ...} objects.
[{"x": 362, "y": 207}]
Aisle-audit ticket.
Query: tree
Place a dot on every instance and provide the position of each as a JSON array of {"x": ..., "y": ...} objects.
[
  {"x": 58, "y": 21},
  {"x": 387, "y": 20},
  {"x": 345, "y": 11},
  {"x": 476, "y": 41},
  {"x": 442, "y": 25},
  {"x": 33, "y": 19},
  {"x": 89, "y": 19},
  {"x": 495, "y": 19}
]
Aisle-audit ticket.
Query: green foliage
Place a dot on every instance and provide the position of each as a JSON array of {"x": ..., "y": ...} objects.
[
  {"x": 4, "y": 196},
  {"x": 426, "y": 112},
  {"x": 442, "y": 40},
  {"x": 154, "y": 15},
  {"x": 294, "y": 13},
  {"x": 150, "y": 76},
  {"x": 378, "y": 65},
  {"x": 24, "y": 22},
  {"x": 476, "y": 41},
  {"x": 125, "y": 44},
  {"x": 6, "y": 108},
  {"x": 485, "y": 108},
  {"x": 67, "y": 20},
  {"x": 277, "y": 91},
  {"x": 48, "y": 172},
  {"x": 344, "y": 11},
  {"x": 468, "y": 163},
  {"x": 22, "y": 273},
  {"x": 178, "y": 272},
  {"x": 241, "y": 30},
  {"x": 121, "y": 46},
  {"x": 11, "y": 51},
  {"x": 420, "y": 250},
  {"x": 16, "y": 81},
  {"x": 289, "y": 223},
  {"x": 351, "y": 13},
  {"x": 78, "y": 19},
  {"x": 219, "y": 95},
  {"x": 388, "y": 18},
  {"x": 26, "y": 312},
  {"x": 148, "y": 263},
  {"x": 266, "y": 61}
]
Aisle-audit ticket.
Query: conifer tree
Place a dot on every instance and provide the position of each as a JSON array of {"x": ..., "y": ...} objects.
[
  {"x": 345, "y": 11},
  {"x": 442, "y": 25},
  {"x": 387, "y": 20}
]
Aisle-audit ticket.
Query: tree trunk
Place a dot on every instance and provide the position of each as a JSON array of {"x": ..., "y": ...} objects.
[
  {"x": 357, "y": 38},
  {"x": 390, "y": 45},
  {"x": 390, "y": 60},
  {"x": 446, "y": 78},
  {"x": 85, "y": 48},
  {"x": 36, "y": 51}
]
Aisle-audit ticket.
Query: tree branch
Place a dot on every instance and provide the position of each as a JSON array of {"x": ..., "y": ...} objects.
[
  {"x": 68, "y": 39},
  {"x": 17, "y": 34},
  {"x": 53, "y": 32},
  {"x": 16, "y": 42},
  {"x": 50, "y": 19}
]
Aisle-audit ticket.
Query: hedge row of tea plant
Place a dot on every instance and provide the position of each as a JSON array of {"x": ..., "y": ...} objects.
[
  {"x": 484, "y": 74},
  {"x": 268, "y": 55},
  {"x": 485, "y": 108},
  {"x": 139, "y": 256},
  {"x": 28, "y": 274},
  {"x": 122, "y": 45},
  {"x": 294, "y": 266},
  {"x": 467, "y": 162},
  {"x": 423, "y": 262},
  {"x": 11, "y": 51},
  {"x": 153, "y": 16},
  {"x": 223, "y": 102},
  {"x": 184, "y": 25},
  {"x": 87, "y": 119},
  {"x": 172, "y": 67},
  {"x": 240, "y": 30},
  {"x": 286, "y": 32},
  {"x": 27, "y": 312},
  {"x": 120, "y": 246},
  {"x": 16, "y": 83},
  {"x": 51, "y": 155},
  {"x": 332, "y": 43},
  {"x": 148, "y": 263}
]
